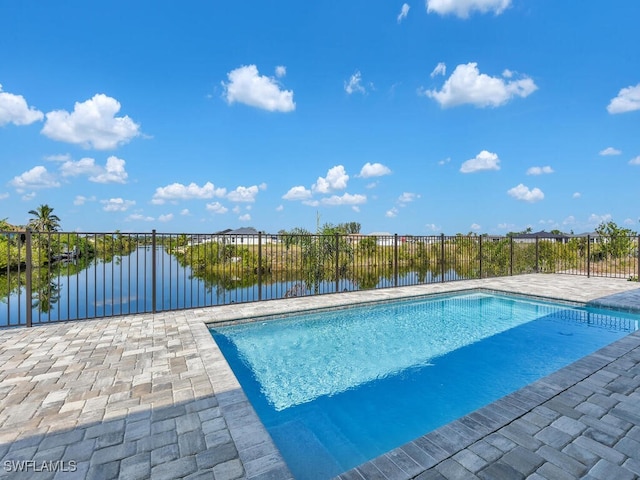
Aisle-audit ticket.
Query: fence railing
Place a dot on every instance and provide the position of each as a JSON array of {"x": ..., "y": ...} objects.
[{"x": 46, "y": 277}]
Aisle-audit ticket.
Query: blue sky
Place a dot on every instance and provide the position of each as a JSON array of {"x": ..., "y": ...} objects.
[{"x": 425, "y": 117}]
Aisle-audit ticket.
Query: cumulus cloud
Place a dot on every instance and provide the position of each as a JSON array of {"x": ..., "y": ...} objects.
[
  {"x": 297, "y": 193},
  {"x": 138, "y": 217},
  {"x": 404, "y": 11},
  {"x": 244, "y": 218},
  {"x": 336, "y": 179},
  {"x": 462, "y": 8},
  {"x": 610, "y": 151},
  {"x": 392, "y": 213},
  {"x": 247, "y": 86},
  {"x": 281, "y": 71},
  {"x": 374, "y": 170},
  {"x": 117, "y": 205},
  {"x": 433, "y": 227},
  {"x": 407, "y": 197},
  {"x": 243, "y": 194},
  {"x": 81, "y": 199},
  {"x": 441, "y": 69},
  {"x": 635, "y": 161},
  {"x": 483, "y": 161},
  {"x": 217, "y": 207},
  {"x": 14, "y": 109},
  {"x": 522, "y": 192},
  {"x": 178, "y": 191},
  {"x": 628, "y": 100},
  {"x": 165, "y": 218},
  {"x": 576, "y": 195},
  {"x": 595, "y": 219},
  {"x": 345, "y": 199},
  {"x": 354, "y": 84},
  {"x": 113, "y": 172},
  {"x": 539, "y": 170},
  {"x": 92, "y": 124},
  {"x": 37, "y": 177},
  {"x": 467, "y": 85},
  {"x": 475, "y": 227}
]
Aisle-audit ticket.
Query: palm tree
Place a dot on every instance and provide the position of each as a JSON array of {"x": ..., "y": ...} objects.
[{"x": 45, "y": 220}]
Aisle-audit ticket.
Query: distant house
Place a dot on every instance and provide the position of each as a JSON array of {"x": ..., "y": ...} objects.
[
  {"x": 383, "y": 239},
  {"x": 239, "y": 236},
  {"x": 541, "y": 235},
  {"x": 593, "y": 237}
]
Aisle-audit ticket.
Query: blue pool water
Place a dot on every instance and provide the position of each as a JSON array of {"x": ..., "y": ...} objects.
[{"x": 337, "y": 388}]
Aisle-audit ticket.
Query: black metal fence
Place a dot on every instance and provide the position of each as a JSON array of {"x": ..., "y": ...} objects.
[{"x": 57, "y": 276}]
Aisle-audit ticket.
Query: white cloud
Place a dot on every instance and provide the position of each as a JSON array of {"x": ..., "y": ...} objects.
[
  {"x": 217, "y": 207},
  {"x": 113, "y": 172},
  {"x": 236, "y": 209},
  {"x": 629, "y": 221},
  {"x": 483, "y": 161},
  {"x": 64, "y": 157},
  {"x": 247, "y": 86},
  {"x": 374, "y": 170},
  {"x": 336, "y": 179},
  {"x": 297, "y": 193},
  {"x": 185, "y": 212},
  {"x": 407, "y": 197},
  {"x": 628, "y": 100},
  {"x": 354, "y": 84},
  {"x": 392, "y": 213},
  {"x": 462, "y": 8},
  {"x": 539, "y": 170},
  {"x": 243, "y": 194},
  {"x": 137, "y": 217},
  {"x": 441, "y": 69},
  {"x": 81, "y": 199},
  {"x": 84, "y": 166},
  {"x": 281, "y": 71},
  {"x": 570, "y": 220},
  {"x": 433, "y": 227},
  {"x": 4, "y": 196},
  {"x": 522, "y": 192},
  {"x": 467, "y": 85},
  {"x": 610, "y": 151},
  {"x": 37, "y": 177},
  {"x": 445, "y": 161},
  {"x": 244, "y": 218},
  {"x": 14, "y": 109},
  {"x": 345, "y": 199},
  {"x": 404, "y": 11},
  {"x": 598, "y": 219},
  {"x": 576, "y": 195},
  {"x": 92, "y": 124},
  {"x": 635, "y": 161},
  {"x": 178, "y": 191},
  {"x": 279, "y": 208},
  {"x": 165, "y": 218},
  {"x": 117, "y": 205},
  {"x": 475, "y": 227}
]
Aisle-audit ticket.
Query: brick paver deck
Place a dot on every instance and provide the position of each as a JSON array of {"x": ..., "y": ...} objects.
[{"x": 150, "y": 396}]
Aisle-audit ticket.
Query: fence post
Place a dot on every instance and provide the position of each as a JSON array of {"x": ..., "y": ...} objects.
[
  {"x": 638, "y": 260},
  {"x": 153, "y": 271},
  {"x": 395, "y": 259},
  {"x": 28, "y": 278},
  {"x": 537, "y": 257},
  {"x": 337, "y": 261},
  {"x": 480, "y": 238},
  {"x": 588, "y": 255},
  {"x": 511, "y": 256},
  {"x": 259, "y": 265},
  {"x": 442, "y": 256}
]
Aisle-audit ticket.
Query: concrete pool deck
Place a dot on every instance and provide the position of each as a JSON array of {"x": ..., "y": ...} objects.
[{"x": 150, "y": 396}]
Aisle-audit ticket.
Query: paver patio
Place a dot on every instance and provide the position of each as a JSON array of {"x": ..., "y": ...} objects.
[{"x": 150, "y": 396}]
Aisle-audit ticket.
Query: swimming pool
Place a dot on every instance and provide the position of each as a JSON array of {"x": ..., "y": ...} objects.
[{"x": 337, "y": 388}]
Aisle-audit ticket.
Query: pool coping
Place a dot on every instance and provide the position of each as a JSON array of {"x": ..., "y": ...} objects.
[{"x": 434, "y": 449}]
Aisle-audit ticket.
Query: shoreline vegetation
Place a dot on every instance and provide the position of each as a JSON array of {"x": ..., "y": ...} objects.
[{"x": 303, "y": 261}]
